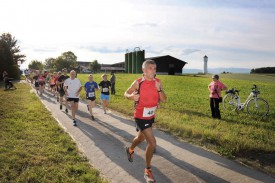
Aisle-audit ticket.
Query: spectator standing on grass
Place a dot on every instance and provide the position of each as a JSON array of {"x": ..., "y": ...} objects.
[
  {"x": 90, "y": 88},
  {"x": 215, "y": 88},
  {"x": 147, "y": 92},
  {"x": 6, "y": 78},
  {"x": 105, "y": 92},
  {"x": 72, "y": 87},
  {"x": 113, "y": 83}
]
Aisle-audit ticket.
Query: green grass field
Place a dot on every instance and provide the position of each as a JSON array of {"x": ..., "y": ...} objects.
[
  {"x": 33, "y": 148},
  {"x": 187, "y": 115}
]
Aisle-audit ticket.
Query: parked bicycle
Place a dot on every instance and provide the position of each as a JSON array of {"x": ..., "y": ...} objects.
[{"x": 254, "y": 105}]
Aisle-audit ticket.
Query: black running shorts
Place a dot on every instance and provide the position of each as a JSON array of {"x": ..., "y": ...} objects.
[
  {"x": 142, "y": 124},
  {"x": 76, "y": 100},
  {"x": 90, "y": 98}
]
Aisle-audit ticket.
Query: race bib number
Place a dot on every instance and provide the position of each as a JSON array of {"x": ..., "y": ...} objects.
[
  {"x": 91, "y": 94},
  {"x": 105, "y": 89},
  {"x": 148, "y": 112}
]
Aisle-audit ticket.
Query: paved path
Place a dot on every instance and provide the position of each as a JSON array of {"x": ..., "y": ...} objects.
[{"x": 103, "y": 142}]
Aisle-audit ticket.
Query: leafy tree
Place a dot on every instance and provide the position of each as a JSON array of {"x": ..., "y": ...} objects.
[
  {"x": 13, "y": 47},
  {"x": 35, "y": 64},
  {"x": 94, "y": 66},
  {"x": 66, "y": 60},
  {"x": 268, "y": 70},
  {"x": 49, "y": 63},
  {"x": 6, "y": 61}
]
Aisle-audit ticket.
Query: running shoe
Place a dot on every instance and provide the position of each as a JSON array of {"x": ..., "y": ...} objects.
[
  {"x": 88, "y": 107},
  {"x": 129, "y": 155},
  {"x": 149, "y": 176},
  {"x": 93, "y": 118},
  {"x": 66, "y": 110},
  {"x": 74, "y": 123},
  {"x": 60, "y": 107},
  {"x": 105, "y": 111}
]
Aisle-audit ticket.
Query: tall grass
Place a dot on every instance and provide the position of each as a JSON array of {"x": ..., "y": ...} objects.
[
  {"x": 187, "y": 113},
  {"x": 33, "y": 148}
]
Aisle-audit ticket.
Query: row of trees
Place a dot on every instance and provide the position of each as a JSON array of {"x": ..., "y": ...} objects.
[
  {"x": 65, "y": 60},
  {"x": 10, "y": 55},
  {"x": 269, "y": 70}
]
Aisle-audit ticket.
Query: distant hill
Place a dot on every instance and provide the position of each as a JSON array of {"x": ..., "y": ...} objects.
[{"x": 218, "y": 70}]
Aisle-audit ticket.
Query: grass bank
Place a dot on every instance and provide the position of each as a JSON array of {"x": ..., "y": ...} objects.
[
  {"x": 187, "y": 115},
  {"x": 33, "y": 148}
]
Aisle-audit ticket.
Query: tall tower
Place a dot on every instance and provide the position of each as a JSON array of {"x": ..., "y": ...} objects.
[{"x": 205, "y": 59}]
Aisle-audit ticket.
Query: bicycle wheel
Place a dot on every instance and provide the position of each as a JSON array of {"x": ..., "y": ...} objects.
[
  {"x": 230, "y": 102},
  {"x": 257, "y": 107}
]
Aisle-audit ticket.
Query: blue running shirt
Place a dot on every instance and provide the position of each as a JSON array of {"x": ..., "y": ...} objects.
[{"x": 90, "y": 89}]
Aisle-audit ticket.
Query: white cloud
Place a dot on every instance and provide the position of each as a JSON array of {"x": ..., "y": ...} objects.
[{"x": 102, "y": 30}]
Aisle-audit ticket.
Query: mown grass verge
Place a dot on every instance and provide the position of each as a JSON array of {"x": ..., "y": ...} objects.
[
  {"x": 187, "y": 115},
  {"x": 33, "y": 147}
]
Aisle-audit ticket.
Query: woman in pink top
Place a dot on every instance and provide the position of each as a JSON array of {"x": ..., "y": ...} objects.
[{"x": 215, "y": 88}]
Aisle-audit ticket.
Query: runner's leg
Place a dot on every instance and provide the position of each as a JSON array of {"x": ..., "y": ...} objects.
[
  {"x": 137, "y": 140},
  {"x": 66, "y": 103},
  {"x": 89, "y": 102},
  {"x": 73, "y": 109},
  {"x": 151, "y": 145},
  {"x": 61, "y": 101}
]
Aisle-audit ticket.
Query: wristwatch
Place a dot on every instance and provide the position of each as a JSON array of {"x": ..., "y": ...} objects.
[{"x": 160, "y": 90}]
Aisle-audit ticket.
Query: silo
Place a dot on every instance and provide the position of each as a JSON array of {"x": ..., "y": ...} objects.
[
  {"x": 126, "y": 62},
  {"x": 140, "y": 58},
  {"x": 130, "y": 70},
  {"x": 134, "y": 62}
]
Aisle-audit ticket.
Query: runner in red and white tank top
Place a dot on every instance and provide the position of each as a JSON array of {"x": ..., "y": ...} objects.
[
  {"x": 148, "y": 99},
  {"x": 147, "y": 92}
]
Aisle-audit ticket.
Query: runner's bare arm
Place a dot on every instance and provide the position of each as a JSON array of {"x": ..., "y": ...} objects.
[
  {"x": 130, "y": 93},
  {"x": 162, "y": 95}
]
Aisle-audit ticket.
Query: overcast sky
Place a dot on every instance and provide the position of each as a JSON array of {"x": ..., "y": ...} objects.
[{"x": 232, "y": 33}]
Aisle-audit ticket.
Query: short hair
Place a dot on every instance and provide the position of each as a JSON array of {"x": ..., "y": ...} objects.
[
  {"x": 147, "y": 62},
  {"x": 103, "y": 75},
  {"x": 216, "y": 77}
]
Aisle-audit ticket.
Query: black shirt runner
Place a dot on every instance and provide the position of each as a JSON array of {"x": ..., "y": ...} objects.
[
  {"x": 62, "y": 78},
  {"x": 105, "y": 87}
]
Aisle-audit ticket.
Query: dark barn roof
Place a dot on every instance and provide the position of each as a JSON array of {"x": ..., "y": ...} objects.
[{"x": 168, "y": 64}]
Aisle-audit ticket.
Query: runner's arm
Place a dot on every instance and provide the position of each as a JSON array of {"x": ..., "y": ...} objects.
[
  {"x": 162, "y": 95},
  {"x": 79, "y": 90},
  {"x": 130, "y": 93}
]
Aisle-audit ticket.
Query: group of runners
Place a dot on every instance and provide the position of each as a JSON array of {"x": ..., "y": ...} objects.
[
  {"x": 66, "y": 88},
  {"x": 146, "y": 93}
]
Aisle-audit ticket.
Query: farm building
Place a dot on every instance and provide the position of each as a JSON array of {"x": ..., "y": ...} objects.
[
  {"x": 165, "y": 64},
  {"x": 168, "y": 64},
  {"x": 117, "y": 67}
]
